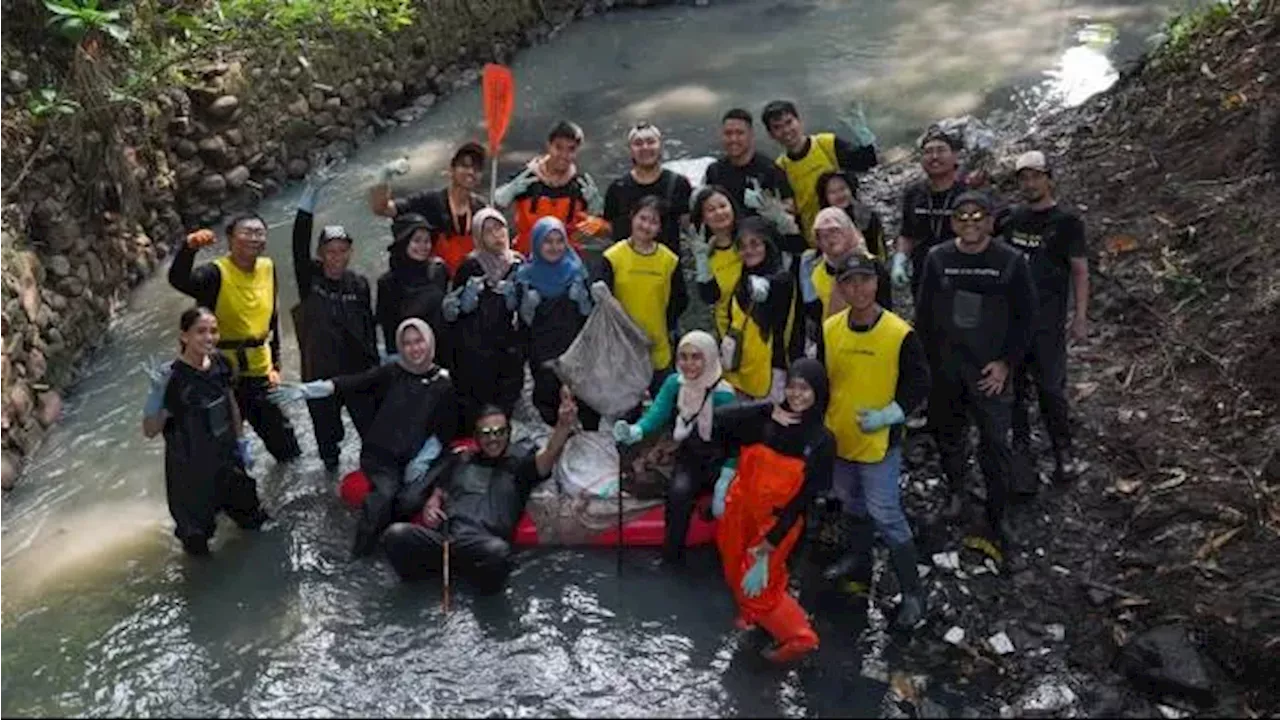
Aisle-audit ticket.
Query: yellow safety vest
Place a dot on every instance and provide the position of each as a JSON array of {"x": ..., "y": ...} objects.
[
  {"x": 755, "y": 372},
  {"x": 803, "y": 175},
  {"x": 863, "y": 370},
  {"x": 246, "y": 301},
  {"x": 824, "y": 283},
  {"x": 726, "y": 268},
  {"x": 642, "y": 283}
]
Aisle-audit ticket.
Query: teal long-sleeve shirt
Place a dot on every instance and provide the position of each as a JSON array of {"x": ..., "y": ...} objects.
[{"x": 663, "y": 408}]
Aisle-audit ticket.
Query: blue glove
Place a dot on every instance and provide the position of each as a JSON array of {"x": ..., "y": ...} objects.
[
  {"x": 293, "y": 392},
  {"x": 469, "y": 298},
  {"x": 505, "y": 194},
  {"x": 752, "y": 197},
  {"x": 529, "y": 305},
  {"x": 701, "y": 251},
  {"x": 808, "y": 261},
  {"x": 322, "y": 176},
  {"x": 857, "y": 121},
  {"x": 244, "y": 453},
  {"x": 722, "y": 490},
  {"x": 390, "y": 359},
  {"x": 450, "y": 307},
  {"x": 580, "y": 296},
  {"x": 392, "y": 169},
  {"x": 873, "y": 420},
  {"x": 591, "y": 193},
  {"x": 421, "y": 463},
  {"x": 158, "y": 375},
  {"x": 759, "y": 288},
  {"x": 626, "y": 433},
  {"x": 900, "y": 269},
  {"x": 754, "y": 582},
  {"x": 608, "y": 489}
]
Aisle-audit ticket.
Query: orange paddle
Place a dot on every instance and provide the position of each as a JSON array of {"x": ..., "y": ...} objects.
[{"x": 499, "y": 100}]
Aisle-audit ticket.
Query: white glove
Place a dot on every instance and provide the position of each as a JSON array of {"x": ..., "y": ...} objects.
[
  {"x": 900, "y": 269},
  {"x": 808, "y": 261},
  {"x": 506, "y": 194},
  {"x": 753, "y": 197},
  {"x": 600, "y": 291},
  {"x": 591, "y": 193},
  {"x": 701, "y": 251},
  {"x": 393, "y": 168},
  {"x": 529, "y": 305},
  {"x": 759, "y": 288},
  {"x": 775, "y": 212}
]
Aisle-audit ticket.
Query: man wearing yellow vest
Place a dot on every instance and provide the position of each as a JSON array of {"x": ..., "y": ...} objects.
[
  {"x": 878, "y": 374},
  {"x": 241, "y": 288},
  {"x": 806, "y": 157}
]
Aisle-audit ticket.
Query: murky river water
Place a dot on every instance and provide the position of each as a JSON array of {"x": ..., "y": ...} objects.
[{"x": 102, "y": 615}]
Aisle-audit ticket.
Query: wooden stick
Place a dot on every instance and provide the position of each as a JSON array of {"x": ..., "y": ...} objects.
[{"x": 446, "y": 576}]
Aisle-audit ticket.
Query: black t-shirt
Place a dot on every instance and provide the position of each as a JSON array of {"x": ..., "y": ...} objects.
[
  {"x": 926, "y": 218},
  {"x": 671, "y": 187},
  {"x": 736, "y": 179},
  {"x": 434, "y": 206},
  {"x": 1049, "y": 239}
]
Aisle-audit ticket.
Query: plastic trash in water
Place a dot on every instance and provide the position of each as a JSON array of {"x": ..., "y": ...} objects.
[
  {"x": 955, "y": 635},
  {"x": 1000, "y": 643}
]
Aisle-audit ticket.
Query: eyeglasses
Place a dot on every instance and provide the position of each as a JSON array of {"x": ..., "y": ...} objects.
[
  {"x": 496, "y": 431},
  {"x": 975, "y": 216}
]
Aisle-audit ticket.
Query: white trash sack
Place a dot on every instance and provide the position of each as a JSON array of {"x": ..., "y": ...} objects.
[{"x": 607, "y": 366}]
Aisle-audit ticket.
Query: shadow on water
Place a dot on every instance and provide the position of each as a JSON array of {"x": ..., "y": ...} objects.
[{"x": 102, "y": 615}]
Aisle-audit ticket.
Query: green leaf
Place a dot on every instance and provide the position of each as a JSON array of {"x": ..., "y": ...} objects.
[{"x": 58, "y": 8}]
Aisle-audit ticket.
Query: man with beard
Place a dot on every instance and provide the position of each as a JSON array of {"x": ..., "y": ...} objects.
[
  {"x": 472, "y": 501},
  {"x": 975, "y": 315},
  {"x": 448, "y": 210},
  {"x": 1052, "y": 239},
  {"x": 647, "y": 177}
]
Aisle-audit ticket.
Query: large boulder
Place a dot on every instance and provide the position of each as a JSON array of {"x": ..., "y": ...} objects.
[
  {"x": 10, "y": 468},
  {"x": 224, "y": 107},
  {"x": 215, "y": 151},
  {"x": 48, "y": 407}
]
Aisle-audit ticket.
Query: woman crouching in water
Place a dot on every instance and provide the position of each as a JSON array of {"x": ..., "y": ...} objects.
[
  {"x": 416, "y": 417},
  {"x": 205, "y": 453},
  {"x": 785, "y": 460}
]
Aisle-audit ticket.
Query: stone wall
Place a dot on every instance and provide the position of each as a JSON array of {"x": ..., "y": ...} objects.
[{"x": 247, "y": 125}]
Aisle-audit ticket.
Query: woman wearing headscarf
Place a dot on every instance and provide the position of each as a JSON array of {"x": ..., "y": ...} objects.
[
  {"x": 554, "y": 305},
  {"x": 415, "y": 402},
  {"x": 839, "y": 189},
  {"x": 481, "y": 313},
  {"x": 785, "y": 456},
  {"x": 712, "y": 239},
  {"x": 689, "y": 398},
  {"x": 416, "y": 283},
  {"x": 837, "y": 239},
  {"x": 759, "y": 315}
]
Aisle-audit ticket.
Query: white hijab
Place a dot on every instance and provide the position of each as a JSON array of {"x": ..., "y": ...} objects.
[{"x": 693, "y": 404}]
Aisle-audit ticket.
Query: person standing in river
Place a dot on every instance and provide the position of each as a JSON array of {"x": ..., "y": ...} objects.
[
  {"x": 1052, "y": 239},
  {"x": 448, "y": 210},
  {"x": 975, "y": 315},
  {"x": 878, "y": 374},
  {"x": 647, "y": 177},
  {"x": 206, "y": 455},
  {"x": 805, "y": 157},
  {"x": 333, "y": 320},
  {"x": 242, "y": 290},
  {"x": 551, "y": 184},
  {"x": 414, "y": 284}
]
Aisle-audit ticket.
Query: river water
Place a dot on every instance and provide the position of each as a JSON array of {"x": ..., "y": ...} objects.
[{"x": 102, "y": 615}]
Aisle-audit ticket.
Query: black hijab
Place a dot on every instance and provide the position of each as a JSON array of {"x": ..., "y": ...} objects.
[
  {"x": 772, "y": 265},
  {"x": 796, "y": 440},
  {"x": 409, "y": 271}
]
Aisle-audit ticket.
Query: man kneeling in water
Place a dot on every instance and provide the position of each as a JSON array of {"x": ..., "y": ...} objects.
[{"x": 475, "y": 501}]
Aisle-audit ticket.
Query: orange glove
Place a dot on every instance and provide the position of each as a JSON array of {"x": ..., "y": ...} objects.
[
  {"x": 201, "y": 238},
  {"x": 273, "y": 378},
  {"x": 594, "y": 226}
]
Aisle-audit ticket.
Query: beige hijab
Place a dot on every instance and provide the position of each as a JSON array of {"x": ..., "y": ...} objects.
[
  {"x": 837, "y": 218},
  {"x": 422, "y": 327},
  {"x": 694, "y": 407}
]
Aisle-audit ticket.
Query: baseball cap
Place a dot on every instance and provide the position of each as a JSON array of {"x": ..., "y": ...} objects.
[
  {"x": 972, "y": 197},
  {"x": 857, "y": 264},
  {"x": 1033, "y": 160},
  {"x": 334, "y": 232},
  {"x": 935, "y": 132}
]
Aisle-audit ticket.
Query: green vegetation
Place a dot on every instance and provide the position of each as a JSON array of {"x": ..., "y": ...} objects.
[
  {"x": 47, "y": 102},
  {"x": 1182, "y": 30},
  {"x": 75, "y": 19}
]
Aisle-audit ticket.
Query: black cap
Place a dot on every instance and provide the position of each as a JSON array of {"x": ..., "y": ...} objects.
[
  {"x": 473, "y": 150},
  {"x": 857, "y": 264},
  {"x": 972, "y": 197},
  {"x": 333, "y": 232},
  {"x": 405, "y": 225},
  {"x": 935, "y": 132}
]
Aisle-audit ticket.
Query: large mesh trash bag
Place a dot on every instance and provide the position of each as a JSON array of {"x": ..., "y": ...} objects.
[{"x": 607, "y": 366}]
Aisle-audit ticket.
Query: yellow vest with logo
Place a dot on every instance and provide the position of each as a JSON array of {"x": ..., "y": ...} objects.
[
  {"x": 246, "y": 301},
  {"x": 863, "y": 370},
  {"x": 755, "y": 372},
  {"x": 803, "y": 175},
  {"x": 642, "y": 283},
  {"x": 726, "y": 269}
]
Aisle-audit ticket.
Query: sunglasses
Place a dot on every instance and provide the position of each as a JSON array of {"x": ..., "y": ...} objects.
[
  {"x": 495, "y": 431},
  {"x": 975, "y": 216}
]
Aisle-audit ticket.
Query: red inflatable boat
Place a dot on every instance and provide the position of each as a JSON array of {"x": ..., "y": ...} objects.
[{"x": 639, "y": 529}]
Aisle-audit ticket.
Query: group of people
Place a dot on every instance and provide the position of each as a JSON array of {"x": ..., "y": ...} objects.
[{"x": 800, "y": 388}]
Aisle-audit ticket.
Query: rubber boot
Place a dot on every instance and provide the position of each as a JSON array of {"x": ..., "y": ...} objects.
[
  {"x": 791, "y": 631},
  {"x": 911, "y": 611},
  {"x": 854, "y": 567},
  {"x": 196, "y": 545}
]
